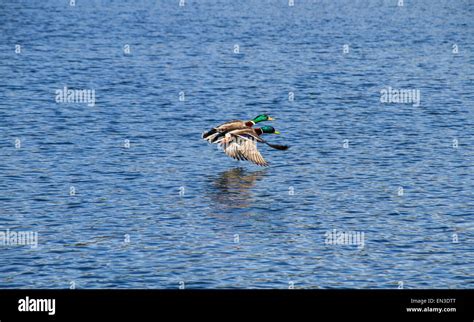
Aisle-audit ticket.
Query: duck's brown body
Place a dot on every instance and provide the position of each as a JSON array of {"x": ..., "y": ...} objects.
[{"x": 216, "y": 133}]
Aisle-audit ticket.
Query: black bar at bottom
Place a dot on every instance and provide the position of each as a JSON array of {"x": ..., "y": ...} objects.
[{"x": 381, "y": 305}]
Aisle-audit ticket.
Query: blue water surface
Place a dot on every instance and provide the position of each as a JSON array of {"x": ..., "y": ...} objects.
[{"x": 171, "y": 210}]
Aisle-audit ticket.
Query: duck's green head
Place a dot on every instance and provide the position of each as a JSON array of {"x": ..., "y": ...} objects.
[
  {"x": 262, "y": 118},
  {"x": 269, "y": 130}
]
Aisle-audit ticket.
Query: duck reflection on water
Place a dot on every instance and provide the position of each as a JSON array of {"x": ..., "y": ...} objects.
[{"x": 232, "y": 188}]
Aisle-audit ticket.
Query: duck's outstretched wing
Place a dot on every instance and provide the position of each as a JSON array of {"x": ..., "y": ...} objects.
[
  {"x": 244, "y": 148},
  {"x": 233, "y": 150}
]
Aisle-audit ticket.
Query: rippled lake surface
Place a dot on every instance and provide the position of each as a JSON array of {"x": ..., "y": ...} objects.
[{"x": 125, "y": 193}]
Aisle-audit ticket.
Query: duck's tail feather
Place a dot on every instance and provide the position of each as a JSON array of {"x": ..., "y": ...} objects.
[
  {"x": 214, "y": 138},
  {"x": 206, "y": 134}
]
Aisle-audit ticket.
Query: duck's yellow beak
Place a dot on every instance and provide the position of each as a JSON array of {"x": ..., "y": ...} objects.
[
  {"x": 276, "y": 132},
  {"x": 271, "y": 118}
]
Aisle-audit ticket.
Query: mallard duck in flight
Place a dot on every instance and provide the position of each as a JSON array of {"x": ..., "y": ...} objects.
[
  {"x": 216, "y": 133},
  {"x": 241, "y": 144}
]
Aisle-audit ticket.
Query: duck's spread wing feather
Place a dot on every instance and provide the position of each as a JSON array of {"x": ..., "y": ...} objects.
[
  {"x": 233, "y": 150},
  {"x": 244, "y": 148}
]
